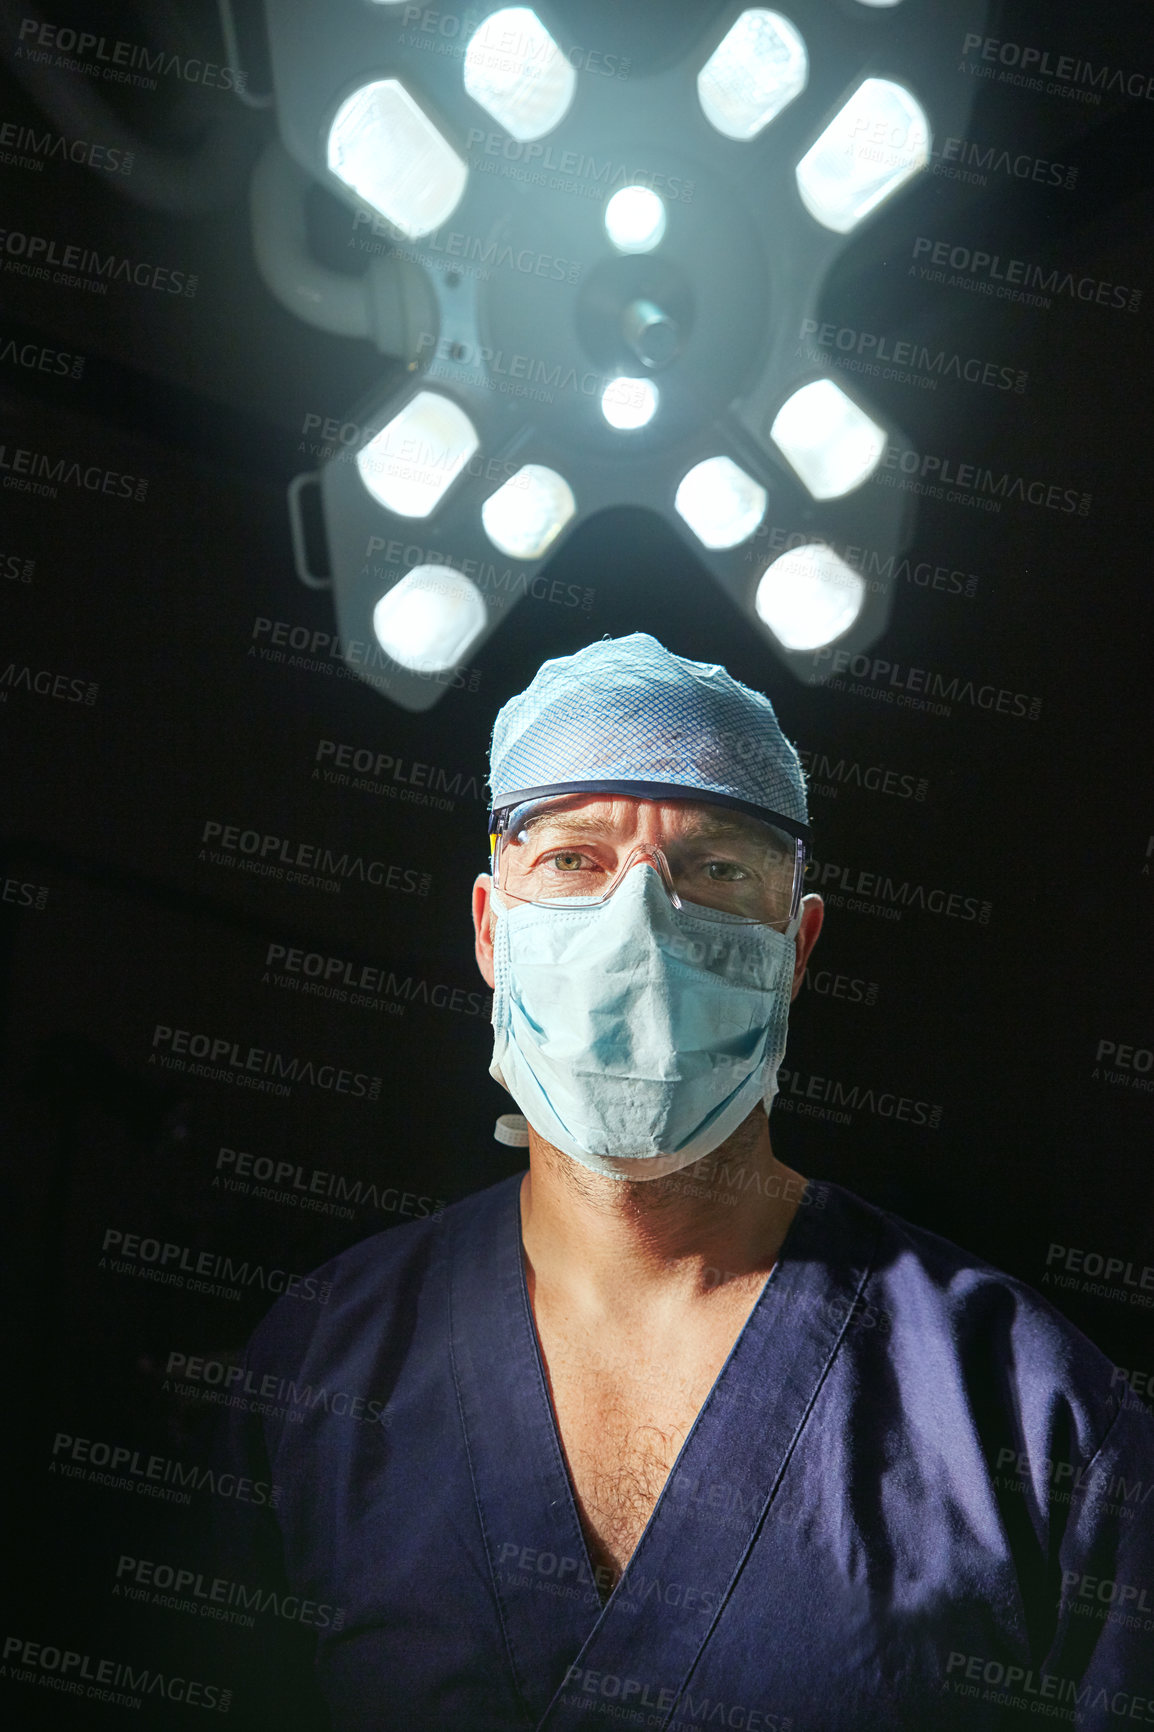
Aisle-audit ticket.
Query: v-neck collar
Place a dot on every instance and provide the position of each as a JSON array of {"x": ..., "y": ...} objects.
[{"x": 561, "y": 1642}]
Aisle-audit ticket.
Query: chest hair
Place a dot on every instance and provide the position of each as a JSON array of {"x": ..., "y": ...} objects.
[{"x": 622, "y": 1424}]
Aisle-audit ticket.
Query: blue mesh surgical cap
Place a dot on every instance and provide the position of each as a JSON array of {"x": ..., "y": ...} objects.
[{"x": 629, "y": 715}]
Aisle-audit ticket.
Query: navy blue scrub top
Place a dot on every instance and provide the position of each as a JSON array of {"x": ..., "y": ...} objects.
[{"x": 912, "y": 1499}]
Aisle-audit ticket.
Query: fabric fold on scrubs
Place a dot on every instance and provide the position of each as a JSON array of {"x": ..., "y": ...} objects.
[{"x": 895, "y": 1509}]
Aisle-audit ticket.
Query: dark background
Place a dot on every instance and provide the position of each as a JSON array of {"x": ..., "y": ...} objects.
[{"x": 994, "y": 1027}]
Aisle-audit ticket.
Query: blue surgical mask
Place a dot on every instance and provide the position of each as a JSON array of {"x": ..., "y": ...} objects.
[{"x": 633, "y": 1035}]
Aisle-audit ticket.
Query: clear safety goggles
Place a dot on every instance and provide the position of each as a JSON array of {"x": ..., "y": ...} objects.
[{"x": 558, "y": 851}]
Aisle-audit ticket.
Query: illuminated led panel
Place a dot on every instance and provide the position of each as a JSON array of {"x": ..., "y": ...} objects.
[
  {"x": 415, "y": 459},
  {"x": 635, "y": 219},
  {"x": 755, "y": 71},
  {"x": 516, "y": 71},
  {"x": 831, "y": 443},
  {"x": 870, "y": 148},
  {"x": 720, "y": 502},
  {"x": 427, "y": 621},
  {"x": 387, "y": 150},
  {"x": 629, "y": 403},
  {"x": 809, "y": 596},
  {"x": 526, "y": 515}
]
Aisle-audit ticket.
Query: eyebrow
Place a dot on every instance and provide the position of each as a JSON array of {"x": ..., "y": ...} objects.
[{"x": 584, "y": 824}]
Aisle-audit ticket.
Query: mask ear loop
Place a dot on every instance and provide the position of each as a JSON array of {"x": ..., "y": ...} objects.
[{"x": 511, "y": 1129}]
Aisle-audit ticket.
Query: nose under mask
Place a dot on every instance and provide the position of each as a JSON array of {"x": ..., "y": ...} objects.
[{"x": 635, "y": 1036}]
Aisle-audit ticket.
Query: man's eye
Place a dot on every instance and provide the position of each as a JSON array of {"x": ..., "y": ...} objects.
[
  {"x": 724, "y": 871},
  {"x": 569, "y": 860}
]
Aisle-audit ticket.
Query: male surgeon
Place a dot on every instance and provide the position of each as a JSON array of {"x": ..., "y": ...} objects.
[{"x": 668, "y": 1435}]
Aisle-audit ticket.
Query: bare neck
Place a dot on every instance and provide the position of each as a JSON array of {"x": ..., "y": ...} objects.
[{"x": 685, "y": 1235}]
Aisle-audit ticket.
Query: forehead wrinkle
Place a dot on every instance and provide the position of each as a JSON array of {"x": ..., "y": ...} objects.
[{"x": 705, "y": 824}]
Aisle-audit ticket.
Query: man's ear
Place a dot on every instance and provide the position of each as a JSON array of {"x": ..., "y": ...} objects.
[
  {"x": 483, "y": 927},
  {"x": 812, "y": 915}
]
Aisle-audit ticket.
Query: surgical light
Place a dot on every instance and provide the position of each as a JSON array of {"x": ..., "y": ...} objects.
[
  {"x": 415, "y": 458},
  {"x": 809, "y": 597},
  {"x": 871, "y": 147},
  {"x": 606, "y": 318},
  {"x": 527, "y": 514},
  {"x": 755, "y": 71},
  {"x": 517, "y": 73},
  {"x": 635, "y": 219},
  {"x": 831, "y": 443},
  {"x": 629, "y": 403},
  {"x": 428, "y": 620},
  {"x": 720, "y": 502},
  {"x": 384, "y": 147}
]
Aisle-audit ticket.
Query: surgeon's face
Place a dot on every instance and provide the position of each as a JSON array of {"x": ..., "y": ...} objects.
[{"x": 709, "y": 856}]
